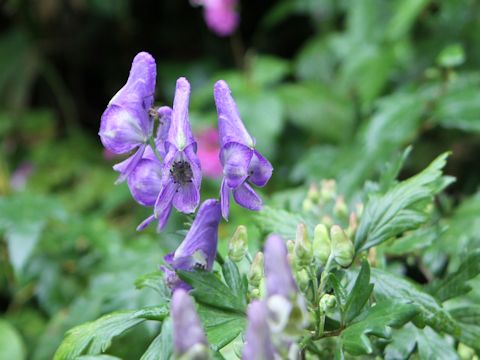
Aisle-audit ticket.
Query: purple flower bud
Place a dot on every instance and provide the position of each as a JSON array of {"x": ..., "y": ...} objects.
[
  {"x": 258, "y": 341},
  {"x": 126, "y": 124},
  {"x": 188, "y": 335},
  {"x": 242, "y": 164},
  {"x": 181, "y": 174},
  {"x": 220, "y": 15},
  {"x": 199, "y": 248}
]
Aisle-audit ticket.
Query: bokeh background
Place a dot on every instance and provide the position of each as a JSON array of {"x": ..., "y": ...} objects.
[{"x": 330, "y": 89}]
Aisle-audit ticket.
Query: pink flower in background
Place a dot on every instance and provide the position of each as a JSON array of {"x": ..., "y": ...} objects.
[
  {"x": 208, "y": 150},
  {"x": 19, "y": 178},
  {"x": 220, "y": 15}
]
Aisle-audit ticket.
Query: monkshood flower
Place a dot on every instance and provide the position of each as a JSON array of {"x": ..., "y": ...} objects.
[
  {"x": 258, "y": 344},
  {"x": 181, "y": 174},
  {"x": 242, "y": 164},
  {"x": 199, "y": 248},
  {"x": 288, "y": 311},
  {"x": 126, "y": 124},
  {"x": 220, "y": 15},
  {"x": 189, "y": 341}
]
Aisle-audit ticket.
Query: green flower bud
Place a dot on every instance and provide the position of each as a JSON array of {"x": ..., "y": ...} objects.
[
  {"x": 255, "y": 274},
  {"x": 327, "y": 302},
  {"x": 293, "y": 262},
  {"x": 342, "y": 246},
  {"x": 327, "y": 221},
  {"x": 290, "y": 246},
  {"x": 340, "y": 209},
  {"x": 328, "y": 190},
  {"x": 255, "y": 293},
  {"x": 313, "y": 193},
  {"x": 466, "y": 352},
  {"x": 359, "y": 207},
  {"x": 303, "y": 246},
  {"x": 238, "y": 245},
  {"x": 302, "y": 279},
  {"x": 307, "y": 205},
  {"x": 321, "y": 244}
]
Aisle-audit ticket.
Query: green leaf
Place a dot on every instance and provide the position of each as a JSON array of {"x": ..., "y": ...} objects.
[
  {"x": 97, "y": 357},
  {"x": 402, "y": 344},
  {"x": 468, "y": 316},
  {"x": 433, "y": 346},
  {"x": 405, "y": 14},
  {"x": 279, "y": 221},
  {"x": 451, "y": 56},
  {"x": 412, "y": 241},
  {"x": 210, "y": 290},
  {"x": 11, "y": 343},
  {"x": 455, "y": 284},
  {"x": 396, "y": 288},
  {"x": 338, "y": 288},
  {"x": 267, "y": 70},
  {"x": 377, "y": 322},
  {"x": 96, "y": 336},
  {"x": 235, "y": 281},
  {"x": 222, "y": 327},
  {"x": 161, "y": 347},
  {"x": 403, "y": 208},
  {"x": 155, "y": 281},
  {"x": 360, "y": 293}
]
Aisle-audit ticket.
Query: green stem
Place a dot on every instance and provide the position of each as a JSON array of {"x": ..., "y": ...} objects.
[
  {"x": 325, "y": 272},
  {"x": 151, "y": 142}
]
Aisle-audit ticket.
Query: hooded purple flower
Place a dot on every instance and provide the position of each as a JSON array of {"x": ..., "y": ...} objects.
[
  {"x": 181, "y": 174},
  {"x": 220, "y": 15},
  {"x": 258, "y": 344},
  {"x": 188, "y": 336},
  {"x": 242, "y": 164},
  {"x": 199, "y": 248},
  {"x": 288, "y": 311},
  {"x": 126, "y": 124}
]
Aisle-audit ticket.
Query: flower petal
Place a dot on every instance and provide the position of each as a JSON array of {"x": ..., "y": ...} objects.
[
  {"x": 260, "y": 170},
  {"x": 230, "y": 125},
  {"x": 258, "y": 344},
  {"x": 225, "y": 199},
  {"x": 163, "y": 205},
  {"x": 235, "y": 158},
  {"x": 246, "y": 197},
  {"x": 180, "y": 133},
  {"x": 186, "y": 198},
  {"x": 121, "y": 130},
  {"x": 145, "y": 223},
  {"x": 128, "y": 165},
  {"x": 145, "y": 181}
]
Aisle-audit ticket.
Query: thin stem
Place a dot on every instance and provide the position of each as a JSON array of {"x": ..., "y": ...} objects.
[
  {"x": 151, "y": 142},
  {"x": 325, "y": 272}
]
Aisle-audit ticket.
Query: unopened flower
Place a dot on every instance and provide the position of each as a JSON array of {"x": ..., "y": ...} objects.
[
  {"x": 189, "y": 341},
  {"x": 126, "y": 125},
  {"x": 238, "y": 246},
  {"x": 258, "y": 343},
  {"x": 220, "y": 15},
  {"x": 321, "y": 244},
  {"x": 199, "y": 248},
  {"x": 303, "y": 246},
  {"x": 181, "y": 174},
  {"x": 255, "y": 274},
  {"x": 288, "y": 311},
  {"x": 242, "y": 164},
  {"x": 342, "y": 247}
]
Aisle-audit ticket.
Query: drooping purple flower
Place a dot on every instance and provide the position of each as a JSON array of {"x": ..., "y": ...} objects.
[
  {"x": 258, "y": 345},
  {"x": 287, "y": 307},
  {"x": 188, "y": 335},
  {"x": 220, "y": 15},
  {"x": 181, "y": 173},
  {"x": 242, "y": 164},
  {"x": 199, "y": 248},
  {"x": 126, "y": 124}
]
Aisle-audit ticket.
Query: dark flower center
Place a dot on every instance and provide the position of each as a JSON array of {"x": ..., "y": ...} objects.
[{"x": 181, "y": 172}]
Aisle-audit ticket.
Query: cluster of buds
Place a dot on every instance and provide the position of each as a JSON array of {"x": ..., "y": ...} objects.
[
  {"x": 334, "y": 244},
  {"x": 256, "y": 276},
  {"x": 238, "y": 244}
]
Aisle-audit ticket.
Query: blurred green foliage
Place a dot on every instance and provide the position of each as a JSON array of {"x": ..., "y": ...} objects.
[{"x": 330, "y": 89}]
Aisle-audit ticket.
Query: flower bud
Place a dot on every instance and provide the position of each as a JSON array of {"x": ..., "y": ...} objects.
[
  {"x": 290, "y": 246},
  {"x": 342, "y": 246},
  {"x": 302, "y": 279},
  {"x": 303, "y": 246},
  {"x": 255, "y": 274},
  {"x": 313, "y": 193},
  {"x": 307, "y": 205},
  {"x": 352, "y": 225},
  {"x": 238, "y": 245},
  {"x": 321, "y": 244},
  {"x": 340, "y": 209},
  {"x": 359, "y": 208},
  {"x": 328, "y": 190},
  {"x": 327, "y": 221},
  {"x": 327, "y": 302},
  {"x": 255, "y": 293}
]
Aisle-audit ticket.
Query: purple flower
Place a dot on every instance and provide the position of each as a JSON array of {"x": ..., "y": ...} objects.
[
  {"x": 242, "y": 164},
  {"x": 199, "y": 248},
  {"x": 258, "y": 340},
  {"x": 220, "y": 15},
  {"x": 287, "y": 307},
  {"x": 181, "y": 174},
  {"x": 126, "y": 124},
  {"x": 188, "y": 337}
]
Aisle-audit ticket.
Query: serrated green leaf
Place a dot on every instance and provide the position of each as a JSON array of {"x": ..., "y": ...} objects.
[
  {"x": 433, "y": 346},
  {"x": 279, "y": 221},
  {"x": 97, "y": 357},
  {"x": 455, "y": 284},
  {"x": 402, "y": 208},
  {"x": 393, "y": 287},
  {"x": 360, "y": 293},
  {"x": 338, "y": 288},
  {"x": 413, "y": 241},
  {"x": 377, "y": 322},
  {"x": 96, "y": 336},
  {"x": 468, "y": 316},
  {"x": 153, "y": 280},
  {"x": 161, "y": 347},
  {"x": 210, "y": 290},
  {"x": 402, "y": 344},
  {"x": 235, "y": 281},
  {"x": 222, "y": 327}
]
